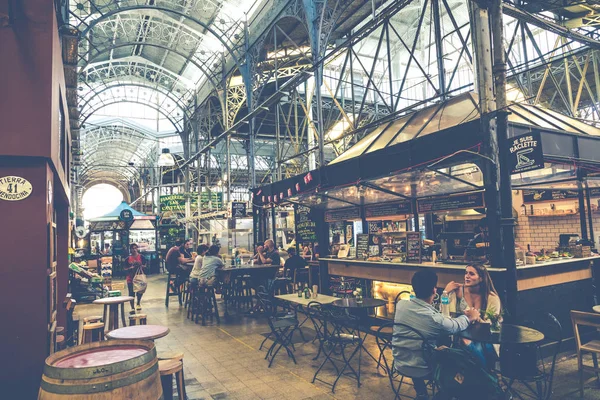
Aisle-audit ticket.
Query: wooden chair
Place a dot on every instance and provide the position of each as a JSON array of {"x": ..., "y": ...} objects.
[
  {"x": 93, "y": 332},
  {"x": 580, "y": 318},
  {"x": 167, "y": 369},
  {"x": 137, "y": 319}
]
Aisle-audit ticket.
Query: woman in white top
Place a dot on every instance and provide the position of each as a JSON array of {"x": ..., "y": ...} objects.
[
  {"x": 206, "y": 276},
  {"x": 477, "y": 292},
  {"x": 195, "y": 273}
]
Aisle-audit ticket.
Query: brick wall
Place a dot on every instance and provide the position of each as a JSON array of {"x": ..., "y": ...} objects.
[{"x": 543, "y": 231}]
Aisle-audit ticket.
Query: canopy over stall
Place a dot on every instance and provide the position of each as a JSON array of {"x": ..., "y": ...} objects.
[{"x": 437, "y": 151}]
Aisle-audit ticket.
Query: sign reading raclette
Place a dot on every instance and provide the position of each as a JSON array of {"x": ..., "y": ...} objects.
[
  {"x": 238, "y": 209},
  {"x": 343, "y": 214},
  {"x": 450, "y": 203},
  {"x": 388, "y": 209},
  {"x": 525, "y": 153}
]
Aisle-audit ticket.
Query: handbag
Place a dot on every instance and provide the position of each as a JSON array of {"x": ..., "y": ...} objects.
[{"x": 140, "y": 282}]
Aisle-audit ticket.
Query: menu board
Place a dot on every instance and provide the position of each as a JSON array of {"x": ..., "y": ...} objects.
[
  {"x": 306, "y": 227},
  {"x": 375, "y": 226},
  {"x": 343, "y": 214},
  {"x": 388, "y": 209},
  {"x": 535, "y": 195},
  {"x": 458, "y": 202},
  {"x": 413, "y": 247},
  {"x": 362, "y": 245}
]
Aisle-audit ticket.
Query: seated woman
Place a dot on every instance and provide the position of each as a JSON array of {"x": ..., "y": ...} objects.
[
  {"x": 477, "y": 292},
  {"x": 208, "y": 271},
  {"x": 195, "y": 273}
]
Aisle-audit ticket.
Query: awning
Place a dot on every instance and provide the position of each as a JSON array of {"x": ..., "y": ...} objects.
[{"x": 114, "y": 214}]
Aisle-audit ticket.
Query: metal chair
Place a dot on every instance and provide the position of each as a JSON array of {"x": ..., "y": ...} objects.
[
  {"x": 542, "y": 372},
  {"x": 385, "y": 344},
  {"x": 340, "y": 336}
]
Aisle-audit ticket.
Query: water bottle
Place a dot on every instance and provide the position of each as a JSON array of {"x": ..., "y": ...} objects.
[
  {"x": 445, "y": 304},
  {"x": 412, "y": 294}
]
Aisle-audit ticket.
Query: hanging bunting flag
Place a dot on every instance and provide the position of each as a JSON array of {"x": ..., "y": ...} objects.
[
  {"x": 269, "y": 199},
  {"x": 259, "y": 192},
  {"x": 290, "y": 192},
  {"x": 308, "y": 178},
  {"x": 264, "y": 199},
  {"x": 281, "y": 195},
  {"x": 297, "y": 187}
]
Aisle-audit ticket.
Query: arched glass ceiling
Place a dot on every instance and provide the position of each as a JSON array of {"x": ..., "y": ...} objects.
[{"x": 117, "y": 150}]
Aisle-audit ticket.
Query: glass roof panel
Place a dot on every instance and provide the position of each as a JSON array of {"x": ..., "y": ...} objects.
[
  {"x": 551, "y": 173},
  {"x": 581, "y": 126},
  {"x": 415, "y": 125},
  {"x": 360, "y": 146},
  {"x": 389, "y": 134},
  {"x": 456, "y": 111}
]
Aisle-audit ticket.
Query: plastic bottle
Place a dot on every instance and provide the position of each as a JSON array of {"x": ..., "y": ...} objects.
[
  {"x": 445, "y": 304},
  {"x": 412, "y": 294}
]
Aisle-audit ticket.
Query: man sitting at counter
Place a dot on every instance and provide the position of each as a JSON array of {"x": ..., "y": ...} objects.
[
  {"x": 269, "y": 254},
  {"x": 420, "y": 314}
]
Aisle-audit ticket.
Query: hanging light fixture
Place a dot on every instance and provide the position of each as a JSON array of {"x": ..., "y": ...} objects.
[{"x": 166, "y": 159}]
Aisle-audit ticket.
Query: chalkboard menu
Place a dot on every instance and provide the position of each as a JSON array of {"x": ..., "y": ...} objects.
[
  {"x": 375, "y": 226},
  {"x": 458, "y": 202},
  {"x": 388, "y": 209},
  {"x": 306, "y": 227},
  {"x": 362, "y": 245},
  {"x": 343, "y": 214},
  {"x": 238, "y": 209},
  {"x": 413, "y": 247},
  {"x": 535, "y": 195}
]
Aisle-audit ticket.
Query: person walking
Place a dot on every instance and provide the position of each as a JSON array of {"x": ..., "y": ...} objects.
[{"x": 135, "y": 263}]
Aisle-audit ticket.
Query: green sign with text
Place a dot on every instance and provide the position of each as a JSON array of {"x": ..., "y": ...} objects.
[{"x": 176, "y": 202}]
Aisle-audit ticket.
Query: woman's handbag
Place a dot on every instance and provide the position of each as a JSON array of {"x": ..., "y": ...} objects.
[{"x": 140, "y": 282}]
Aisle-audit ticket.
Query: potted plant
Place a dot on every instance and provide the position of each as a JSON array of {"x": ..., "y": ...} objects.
[
  {"x": 358, "y": 295},
  {"x": 495, "y": 319}
]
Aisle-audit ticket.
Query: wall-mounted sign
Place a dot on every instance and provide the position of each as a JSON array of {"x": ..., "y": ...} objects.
[
  {"x": 343, "y": 214},
  {"x": 458, "y": 202},
  {"x": 176, "y": 202},
  {"x": 388, "y": 209},
  {"x": 525, "y": 153},
  {"x": 14, "y": 188},
  {"x": 362, "y": 246},
  {"x": 126, "y": 215},
  {"x": 413, "y": 247},
  {"x": 375, "y": 227},
  {"x": 238, "y": 209}
]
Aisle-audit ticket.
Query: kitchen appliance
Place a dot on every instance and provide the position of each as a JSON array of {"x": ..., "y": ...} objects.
[{"x": 565, "y": 240}]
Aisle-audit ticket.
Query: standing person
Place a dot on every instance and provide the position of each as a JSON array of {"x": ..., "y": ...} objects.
[
  {"x": 477, "y": 292},
  {"x": 195, "y": 274},
  {"x": 107, "y": 251},
  {"x": 269, "y": 254},
  {"x": 420, "y": 314},
  {"x": 208, "y": 272},
  {"x": 135, "y": 261}
]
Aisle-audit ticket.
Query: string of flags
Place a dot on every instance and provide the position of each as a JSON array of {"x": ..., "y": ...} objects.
[{"x": 277, "y": 197}]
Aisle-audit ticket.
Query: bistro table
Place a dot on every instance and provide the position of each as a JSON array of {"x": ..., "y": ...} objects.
[
  {"x": 596, "y": 309},
  {"x": 509, "y": 334},
  {"x": 111, "y": 310},
  {"x": 139, "y": 332}
]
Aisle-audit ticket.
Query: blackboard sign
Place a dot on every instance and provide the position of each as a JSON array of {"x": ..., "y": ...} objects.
[
  {"x": 458, "y": 202},
  {"x": 525, "y": 153},
  {"x": 375, "y": 226},
  {"x": 343, "y": 214},
  {"x": 413, "y": 247},
  {"x": 388, "y": 209},
  {"x": 238, "y": 209},
  {"x": 362, "y": 245},
  {"x": 126, "y": 215},
  {"x": 306, "y": 227}
]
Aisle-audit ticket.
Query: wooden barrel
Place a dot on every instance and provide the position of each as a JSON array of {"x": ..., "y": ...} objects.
[{"x": 107, "y": 370}]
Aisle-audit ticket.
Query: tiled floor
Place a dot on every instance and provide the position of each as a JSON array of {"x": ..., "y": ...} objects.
[{"x": 224, "y": 362}]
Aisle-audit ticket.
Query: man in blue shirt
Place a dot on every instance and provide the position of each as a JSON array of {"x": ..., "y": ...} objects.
[{"x": 419, "y": 314}]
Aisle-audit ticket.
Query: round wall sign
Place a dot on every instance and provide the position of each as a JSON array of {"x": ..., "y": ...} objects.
[
  {"x": 14, "y": 188},
  {"x": 126, "y": 215}
]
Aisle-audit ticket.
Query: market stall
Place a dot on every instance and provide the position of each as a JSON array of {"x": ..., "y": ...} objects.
[
  {"x": 121, "y": 227},
  {"x": 424, "y": 207}
]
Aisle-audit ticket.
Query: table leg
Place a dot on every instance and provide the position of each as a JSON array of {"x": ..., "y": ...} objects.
[
  {"x": 167, "y": 386},
  {"x": 123, "y": 314},
  {"x": 104, "y": 318},
  {"x": 113, "y": 317}
]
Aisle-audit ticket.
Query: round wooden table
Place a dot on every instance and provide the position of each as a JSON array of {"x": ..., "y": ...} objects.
[
  {"x": 509, "y": 334},
  {"x": 139, "y": 332},
  {"x": 111, "y": 310},
  {"x": 366, "y": 303}
]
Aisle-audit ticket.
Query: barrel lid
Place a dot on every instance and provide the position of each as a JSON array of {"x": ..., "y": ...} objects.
[{"x": 100, "y": 356}]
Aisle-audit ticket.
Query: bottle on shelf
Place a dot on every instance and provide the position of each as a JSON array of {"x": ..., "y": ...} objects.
[{"x": 445, "y": 304}]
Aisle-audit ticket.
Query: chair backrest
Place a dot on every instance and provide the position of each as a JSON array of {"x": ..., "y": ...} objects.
[
  {"x": 385, "y": 342},
  {"x": 580, "y": 318}
]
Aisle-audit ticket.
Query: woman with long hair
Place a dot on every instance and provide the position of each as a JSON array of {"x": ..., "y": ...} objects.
[{"x": 477, "y": 292}]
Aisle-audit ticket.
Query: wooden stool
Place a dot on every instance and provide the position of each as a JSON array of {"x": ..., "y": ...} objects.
[
  {"x": 171, "y": 355},
  {"x": 60, "y": 342},
  {"x": 204, "y": 304},
  {"x": 141, "y": 318},
  {"x": 92, "y": 320},
  {"x": 93, "y": 332},
  {"x": 167, "y": 368}
]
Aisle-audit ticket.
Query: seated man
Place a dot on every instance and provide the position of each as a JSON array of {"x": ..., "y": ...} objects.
[
  {"x": 419, "y": 314},
  {"x": 293, "y": 263},
  {"x": 269, "y": 254}
]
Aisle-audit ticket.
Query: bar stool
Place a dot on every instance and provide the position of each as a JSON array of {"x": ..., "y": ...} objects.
[
  {"x": 137, "y": 319},
  {"x": 172, "y": 290},
  {"x": 204, "y": 304},
  {"x": 167, "y": 369},
  {"x": 92, "y": 332},
  {"x": 93, "y": 319},
  {"x": 173, "y": 355}
]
